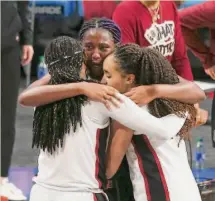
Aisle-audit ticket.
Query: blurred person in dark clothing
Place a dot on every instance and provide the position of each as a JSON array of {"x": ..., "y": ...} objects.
[
  {"x": 16, "y": 32},
  {"x": 193, "y": 18}
]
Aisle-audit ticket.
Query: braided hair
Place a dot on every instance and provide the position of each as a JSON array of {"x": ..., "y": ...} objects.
[
  {"x": 64, "y": 59},
  {"x": 102, "y": 23},
  {"x": 150, "y": 67}
]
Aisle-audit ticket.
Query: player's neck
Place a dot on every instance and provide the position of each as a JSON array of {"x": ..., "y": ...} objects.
[{"x": 151, "y": 4}]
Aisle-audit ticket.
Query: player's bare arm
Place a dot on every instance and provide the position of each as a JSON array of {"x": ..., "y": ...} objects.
[
  {"x": 185, "y": 91},
  {"x": 120, "y": 139}
]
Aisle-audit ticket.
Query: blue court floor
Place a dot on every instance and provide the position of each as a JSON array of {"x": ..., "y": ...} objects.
[{"x": 22, "y": 177}]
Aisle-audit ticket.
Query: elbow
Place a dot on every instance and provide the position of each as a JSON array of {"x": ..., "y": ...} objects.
[
  {"x": 199, "y": 93},
  {"x": 195, "y": 93},
  {"x": 202, "y": 96},
  {"x": 25, "y": 100},
  {"x": 22, "y": 99}
]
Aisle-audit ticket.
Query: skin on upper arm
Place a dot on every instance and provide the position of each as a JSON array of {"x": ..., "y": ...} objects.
[
  {"x": 43, "y": 81},
  {"x": 118, "y": 144},
  {"x": 185, "y": 91}
]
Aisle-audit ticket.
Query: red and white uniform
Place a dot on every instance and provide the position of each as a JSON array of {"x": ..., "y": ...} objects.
[
  {"x": 159, "y": 169},
  {"x": 79, "y": 166}
]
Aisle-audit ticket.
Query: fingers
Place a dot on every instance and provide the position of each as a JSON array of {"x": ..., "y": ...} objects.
[
  {"x": 197, "y": 107},
  {"x": 204, "y": 116},
  {"x": 24, "y": 56},
  {"x": 27, "y": 60},
  {"x": 198, "y": 116},
  {"x": 27, "y": 55},
  {"x": 213, "y": 75},
  {"x": 114, "y": 103},
  {"x": 201, "y": 117},
  {"x": 107, "y": 97},
  {"x": 107, "y": 105},
  {"x": 111, "y": 101},
  {"x": 30, "y": 56},
  {"x": 117, "y": 98},
  {"x": 112, "y": 93},
  {"x": 211, "y": 72},
  {"x": 197, "y": 121}
]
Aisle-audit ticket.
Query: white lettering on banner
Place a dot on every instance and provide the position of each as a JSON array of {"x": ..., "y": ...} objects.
[
  {"x": 161, "y": 37},
  {"x": 50, "y": 10}
]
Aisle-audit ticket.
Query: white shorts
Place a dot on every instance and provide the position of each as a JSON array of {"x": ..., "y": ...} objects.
[{"x": 39, "y": 193}]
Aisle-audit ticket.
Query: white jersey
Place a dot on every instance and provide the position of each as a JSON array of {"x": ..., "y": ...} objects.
[
  {"x": 79, "y": 165},
  {"x": 159, "y": 169}
]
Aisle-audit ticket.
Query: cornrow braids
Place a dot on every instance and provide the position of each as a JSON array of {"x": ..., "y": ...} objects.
[
  {"x": 102, "y": 23},
  {"x": 64, "y": 58},
  {"x": 150, "y": 67}
]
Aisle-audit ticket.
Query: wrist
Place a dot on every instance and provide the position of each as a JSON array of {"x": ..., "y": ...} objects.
[
  {"x": 154, "y": 91},
  {"x": 77, "y": 88},
  {"x": 81, "y": 87}
]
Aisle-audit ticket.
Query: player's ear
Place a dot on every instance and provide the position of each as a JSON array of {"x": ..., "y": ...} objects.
[{"x": 130, "y": 79}]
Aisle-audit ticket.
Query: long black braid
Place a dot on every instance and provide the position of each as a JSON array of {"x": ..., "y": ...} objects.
[
  {"x": 102, "y": 23},
  {"x": 64, "y": 59},
  {"x": 150, "y": 67}
]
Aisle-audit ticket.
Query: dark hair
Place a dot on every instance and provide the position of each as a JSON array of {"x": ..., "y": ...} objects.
[
  {"x": 150, "y": 67},
  {"x": 64, "y": 59},
  {"x": 103, "y": 23}
]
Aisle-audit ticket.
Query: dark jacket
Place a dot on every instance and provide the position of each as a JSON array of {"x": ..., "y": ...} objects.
[{"x": 16, "y": 19}]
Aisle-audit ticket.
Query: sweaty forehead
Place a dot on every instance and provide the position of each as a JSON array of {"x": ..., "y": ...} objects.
[{"x": 98, "y": 34}]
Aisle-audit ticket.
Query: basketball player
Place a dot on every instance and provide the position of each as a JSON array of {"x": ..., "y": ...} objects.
[{"x": 158, "y": 165}]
